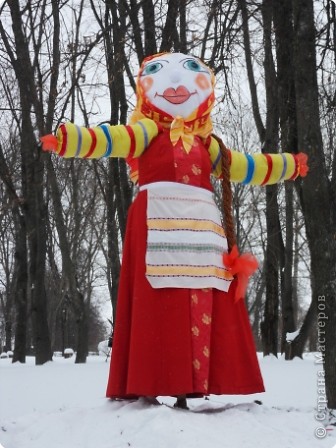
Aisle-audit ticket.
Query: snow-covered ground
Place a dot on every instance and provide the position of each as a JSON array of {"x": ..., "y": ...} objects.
[{"x": 62, "y": 405}]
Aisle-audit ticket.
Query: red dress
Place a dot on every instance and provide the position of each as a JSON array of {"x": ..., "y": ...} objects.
[{"x": 176, "y": 341}]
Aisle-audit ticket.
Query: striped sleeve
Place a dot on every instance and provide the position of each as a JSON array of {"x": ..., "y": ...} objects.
[
  {"x": 256, "y": 169},
  {"x": 105, "y": 140}
]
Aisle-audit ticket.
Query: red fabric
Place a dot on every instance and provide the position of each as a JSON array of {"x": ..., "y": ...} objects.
[
  {"x": 164, "y": 162},
  {"x": 64, "y": 140},
  {"x": 201, "y": 312},
  {"x": 269, "y": 169},
  {"x": 153, "y": 347},
  {"x": 133, "y": 144},
  {"x": 93, "y": 143}
]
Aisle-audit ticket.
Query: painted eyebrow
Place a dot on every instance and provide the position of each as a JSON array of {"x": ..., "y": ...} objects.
[
  {"x": 156, "y": 60},
  {"x": 191, "y": 58},
  {"x": 187, "y": 59}
]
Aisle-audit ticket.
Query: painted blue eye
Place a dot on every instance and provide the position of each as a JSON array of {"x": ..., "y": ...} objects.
[
  {"x": 152, "y": 68},
  {"x": 193, "y": 65}
]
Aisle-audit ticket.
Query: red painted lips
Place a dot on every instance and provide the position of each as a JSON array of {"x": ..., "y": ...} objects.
[{"x": 177, "y": 96}]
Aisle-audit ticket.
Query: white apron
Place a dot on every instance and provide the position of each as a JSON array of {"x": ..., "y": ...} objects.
[{"x": 185, "y": 240}]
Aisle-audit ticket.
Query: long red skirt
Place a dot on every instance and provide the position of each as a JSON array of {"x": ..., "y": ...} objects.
[{"x": 176, "y": 341}]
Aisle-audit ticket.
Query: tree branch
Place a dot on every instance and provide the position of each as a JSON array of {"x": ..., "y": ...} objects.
[{"x": 249, "y": 67}]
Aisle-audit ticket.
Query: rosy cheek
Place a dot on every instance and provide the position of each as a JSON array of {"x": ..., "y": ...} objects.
[
  {"x": 147, "y": 83},
  {"x": 202, "y": 81}
]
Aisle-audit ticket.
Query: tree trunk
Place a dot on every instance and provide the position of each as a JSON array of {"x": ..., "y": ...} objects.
[
  {"x": 296, "y": 347},
  {"x": 282, "y": 9},
  {"x": 32, "y": 182},
  {"x": 36, "y": 230},
  {"x": 7, "y": 307},
  {"x": 169, "y": 29},
  {"x": 269, "y": 326},
  {"x": 250, "y": 73},
  {"x": 112, "y": 235},
  {"x": 118, "y": 189},
  {"x": 183, "y": 26},
  {"x": 318, "y": 202},
  {"x": 81, "y": 310},
  {"x": 20, "y": 290},
  {"x": 8, "y": 329},
  {"x": 115, "y": 66},
  {"x": 20, "y": 276},
  {"x": 287, "y": 306},
  {"x": 149, "y": 27},
  {"x": 270, "y": 323},
  {"x": 269, "y": 138},
  {"x": 256, "y": 311},
  {"x": 76, "y": 298},
  {"x": 296, "y": 261}
]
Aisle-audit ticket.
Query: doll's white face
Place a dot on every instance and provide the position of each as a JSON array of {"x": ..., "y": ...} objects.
[{"x": 176, "y": 83}]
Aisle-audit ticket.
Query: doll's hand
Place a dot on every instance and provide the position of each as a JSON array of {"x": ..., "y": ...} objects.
[
  {"x": 49, "y": 143},
  {"x": 302, "y": 160}
]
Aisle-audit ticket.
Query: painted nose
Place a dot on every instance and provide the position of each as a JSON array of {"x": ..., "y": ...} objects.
[{"x": 175, "y": 76}]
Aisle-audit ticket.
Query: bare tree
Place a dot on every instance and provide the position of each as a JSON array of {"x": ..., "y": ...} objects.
[
  {"x": 317, "y": 193},
  {"x": 7, "y": 271}
]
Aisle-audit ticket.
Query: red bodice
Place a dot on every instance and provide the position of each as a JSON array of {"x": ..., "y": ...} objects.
[{"x": 162, "y": 161}]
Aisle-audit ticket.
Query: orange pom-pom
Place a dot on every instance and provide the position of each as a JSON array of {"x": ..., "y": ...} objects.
[
  {"x": 49, "y": 142},
  {"x": 302, "y": 159},
  {"x": 242, "y": 266}
]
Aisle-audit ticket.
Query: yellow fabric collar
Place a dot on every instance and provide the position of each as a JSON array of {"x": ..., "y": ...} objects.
[{"x": 198, "y": 124}]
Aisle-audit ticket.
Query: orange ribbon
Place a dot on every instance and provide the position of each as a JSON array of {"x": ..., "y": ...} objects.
[{"x": 242, "y": 266}]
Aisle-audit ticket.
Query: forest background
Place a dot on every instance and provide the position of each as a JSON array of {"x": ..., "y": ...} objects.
[{"x": 62, "y": 222}]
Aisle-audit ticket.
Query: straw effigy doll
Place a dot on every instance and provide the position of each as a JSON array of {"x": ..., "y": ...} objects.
[{"x": 181, "y": 329}]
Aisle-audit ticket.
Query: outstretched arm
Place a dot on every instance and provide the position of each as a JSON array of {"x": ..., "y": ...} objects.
[
  {"x": 259, "y": 169},
  {"x": 101, "y": 141}
]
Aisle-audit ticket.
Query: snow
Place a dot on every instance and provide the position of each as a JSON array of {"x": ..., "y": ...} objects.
[
  {"x": 103, "y": 348},
  {"x": 290, "y": 337},
  {"x": 62, "y": 404},
  {"x": 69, "y": 351}
]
